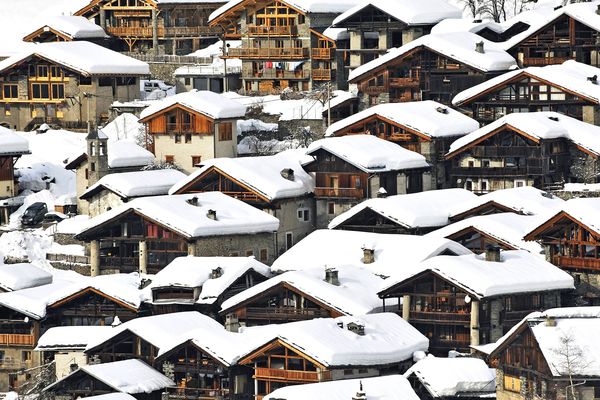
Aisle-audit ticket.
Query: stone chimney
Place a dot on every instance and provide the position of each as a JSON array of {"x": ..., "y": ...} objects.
[
  {"x": 212, "y": 214},
  {"x": 288, "y": 174},
  {"x": 216, "y": 273},
  {"x": 479, "y": 47},
  {"x": 360, "y": 395},
  {"x": 368, "y": 255},
  {"x": 331, "y": 276},
  {"x": 354, "y": 327},
  {"x": 231, "y": 323},
  {"x": 382, "y": 193},
  {"x": 193, "y": 201},
  {"x": 492, "y": 253},
  {"x": 550, "y": 321}
]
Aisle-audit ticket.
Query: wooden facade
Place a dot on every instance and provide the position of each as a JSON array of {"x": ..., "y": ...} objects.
[
  {"x": 142, "y": 25},
  {"x": 488, "y": 208},
  {"x": 478, "y": 241}
]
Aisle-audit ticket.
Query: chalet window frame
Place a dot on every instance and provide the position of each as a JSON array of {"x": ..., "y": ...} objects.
[
  {"x": 10, "y": 91},
  {"x": 225, "y": 131}
]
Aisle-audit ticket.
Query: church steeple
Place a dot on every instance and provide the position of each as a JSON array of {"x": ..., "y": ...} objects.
[{"x": 97, "y": 151}]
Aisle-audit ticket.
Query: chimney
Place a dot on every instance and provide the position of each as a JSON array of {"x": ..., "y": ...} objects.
[
  {"x": 368, "y": 255},
  {"x": 73, "y": 367},
  {"x": 382, "y": 193},
  {"x": 212, "y": 214},
  {"x": 594, "y": 78},
  {"x": 360, "y": 395},
  {"x": 550, "y": 321},
  {"x": 193, "y": 201},
  {"x": 288, "y": 174},
  {"x": 492, "y": 253},
  {"x": 331, "y": 276},
  {"x": 443, "y": 110},
  {"x": 598, "y": 9},
  {"x": 354, "y": 327},
  {"x": 231, "y": 323},
  {"x": 479, "y": 47},
  {"x": 216, "y": 273}
]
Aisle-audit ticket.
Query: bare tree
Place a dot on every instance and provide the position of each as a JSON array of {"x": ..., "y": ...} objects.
[
  {"x": 473, "y": 6},
  {"x": 585, "y": 169},
  {"x": 572, "y": 360}
]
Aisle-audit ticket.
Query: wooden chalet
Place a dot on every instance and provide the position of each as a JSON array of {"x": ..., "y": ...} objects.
[
  {"x": 66, "y": 83},
  {"x": 433, "y": 67},
  {"x": 530, "y": 360},
  {"x": 282, "y": 43},
  {"x": 447, "y": 302},
  {"x": 569, "y": 88},
  {"x": 189, "y": 128},
  {"x": 165, "y": 27},
  {"x": 517, "y": 151},
  {"x": 66, "y": 28},
  {"x": 571, "y": 32}
]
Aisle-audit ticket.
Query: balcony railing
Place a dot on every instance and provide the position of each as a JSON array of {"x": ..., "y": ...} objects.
[
  {"x": 536, "y": 61},
  {"x": 339, "y": 192},
  {"x": 262, "y": 30},
  {"x": 323, "y": 53},
  {"x": 373, "y": 89},
  {"x": 16, "y": 339},
  {"x": 273, "y": 53},
  {"x": 322, "y": 74},
  {"x": 404, "y": 82},
  {"x": 281, "y": 74},
  {"x": 198, "y": 394},
  {"x": 133, "y": 31},
  {"x": 289, "y": 375},
  {"x": 576, "y": 262},
  {"x": 440, "y": 316},
  {"x": 188, "y": 30},
  {"x": 285, "y": 313}
]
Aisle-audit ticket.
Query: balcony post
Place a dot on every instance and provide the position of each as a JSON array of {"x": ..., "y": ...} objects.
[
  {"x": 143, "y": 255},
  {"x": 102, "y": 14},
  {"x": 94, "y": 258},
  {"x": 406, "y": 306},
  {"x": 191, "y": 249},
  {"x": 474, "y": 323},
  {"x": 155, "y": 30}
]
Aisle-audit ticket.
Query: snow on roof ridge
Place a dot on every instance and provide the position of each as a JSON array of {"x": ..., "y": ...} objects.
[
  {"x": 76, "y": 27},
  {"x": 137, "y": 183},
  {"x": 212, "y": 104}
]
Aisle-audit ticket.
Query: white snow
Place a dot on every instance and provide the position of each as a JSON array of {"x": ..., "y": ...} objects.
[
  {"x": 70, "y": 337},
  {"x": 137, "y": 184},
  {"x": 391, "y": 387},
  {"x": 123, "y": 153},
  {"x": 251, "y": 125},
  {"x": 287, "y": 110},
  {"x": 124, "y": 127},
  {"x": 338, "y": 97},
  {"x": 459, "y": 46},
  {"x": 424, "y": 12},
  {"x": 11, "y": 143},
  {"x": 428, "y": 118},
  {"x": 339, "y": 249},
  {"x": 541, "y": 125},
  {"x": 417, "y": 210},
  {"x": 465, "y": 25},
  {"x": 75, "y": 27},
  {"x": 83, "y": 57},
  {"x": 71, "y": 225},
  {"x": 369, "y": 153},
  {"x": 233, "y": 217},
  {"x": 450, "y": 377},
  {"x": 195, "y": 272},
  {"x": 584, "y": 210},
  {"x": 205, "y": 102},
  {"x": 355, "y": 295},
  {"x": 261, "y": 175},
  {"x": 518, "y": 272},
  {"x": 22, "y": 276}
]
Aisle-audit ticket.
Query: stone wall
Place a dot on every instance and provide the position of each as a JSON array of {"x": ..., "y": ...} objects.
[{"x": 240, "y": 245}]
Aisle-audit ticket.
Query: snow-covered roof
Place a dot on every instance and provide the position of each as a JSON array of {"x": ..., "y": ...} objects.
[
  {"x": 12, "y": 143},
  {"x": 336, "y": 33},
  {"x": 22, "y": 276},
  {"x": 388, "y": 339},
  {"x": 524, "y": 200},
  {"x": 508, "y": 228},
  {"x": 124, "y": 127},
  {"x": 449, "y": 25},
  {"x": 83, "y": 57},
  {"x": 112, "y": 396},
  {"x": 426, "y": 12},
  {"x": 205, "y": 102},
  {"x": 70, "y": 337},
  {"x": 122, "y": 153},
  {"x": 390, "y": 387},
  {"x": 355, "y": 295},
  {"x": 74, "y": 27},
  {"x": 233, "y": 217},
  {"x": 339, "y": 97},
  {"x": 571, "y": 76},
  {"x": 195, "y": 272},
  {"x": 262, "y": 175},
  {"x": 127, "y": 376},
  {"x": 417, "y": 210},
  {"x": 541, "y": 125},
  {"x": 33, "y": 301},
  {"x": 428, "y": 118},
  {"x": 369, "y": 153},
  {"x": 136, "y": 184},
  {"x": 454, "y": 377},
  {"x": 305, "y": 6},
  {"x": 459, "y": 46},
  {"x": 518, "y": 272},
  {"x": 584, "y": 210},
  {"x": 340, "y": 249}
]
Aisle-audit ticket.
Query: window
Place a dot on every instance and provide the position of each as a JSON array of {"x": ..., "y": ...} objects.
[
  {"x": 170, "y": 159},
  {"x": 348, "y": 372},
  {"x": 58, "y": 91},
  {"x": 520, "y": 183},
  {"x": 471, "y": 163},
  {"x": 289, "y": 240},
  {"x": 196, "y": 160},
  {"x": 484, "y": 185},
  {"x": 264, "y": 255},
  {"x": 485, "y": 163},
  {"x": 10, "y": 91},
  {"x": 26, "y": 355},
  {"x": 188, "y": 138},
  {"x": 42, "y": 71},
  {"x": 40, "y": 91},
  {"x": 303, "y": 214},
  {"x": 469, "y": 184},
  {"x": 187, "y": 81},
  {"x": 55, "y": 72},
  {"x": 93, "y": 167},
  {"x": 7, "y": 109},
  {"x": 85, "y": 80},
  {"x": 330, "y": 208},
  {"x": 249, "y": 253},
  {"x": 104, "y": 82},
  {"x": 512, "y": 383},
  {"x": 87, "y": 174},
  {"x": 177, "y": 138},
  {"x": 225, "y": 131}
]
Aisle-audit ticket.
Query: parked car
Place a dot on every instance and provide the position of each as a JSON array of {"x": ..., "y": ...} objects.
[
  {"x": 34, "y": 214},
  {"x": 54, "y": 216}
]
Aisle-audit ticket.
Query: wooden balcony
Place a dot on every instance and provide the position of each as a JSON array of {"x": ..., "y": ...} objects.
[
  {"x": 404, "y": 82},
  {"x": 198, "y": 394},
  {"x": 281, "y": 74},
  {"x": 133, "y": 31},
  {"x": 576, "y": 263},
  {"x": 292, "y": 376},
  {"x": 437, "y": 316},
  {"x": 339, "y": 192},
  {"x": 188, "y": 31},
  {"x": 323, "y": 53},
  {"x": 284, "y": 313},
  {"x": 283, "y": 53},
  {"x": 15, "y": 339},
  {"x": 540, "y": 61},
  {"x": 322, "y": 74},
  {"x": 373, "y": 90},
  {"x": 262, "y": 30}
]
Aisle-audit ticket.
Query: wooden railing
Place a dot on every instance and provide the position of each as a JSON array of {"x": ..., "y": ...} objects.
[
  {"x": 244, "y": 196},
  {"x": 189, "y": 30},
  {"x": 282, "y": 74},
  {"x": 576, "y": 262},
  {"x": 289, "y": 375},
  {"x": 285, "y": 313},
  {"x": 373, "y": 89},
  {"x": 133, "y": 31},
  {"x": 200, "y": 393},
  {"x": 321, "y": 74},
  {"x": 281, "y": 53},
  {"x": 404, "y": 82},
  {"x": 536, "y": 61},
  {"x": 16, "y": 339},
  {"x": 339, "y": 192},
  {"x": 323, "y": 53},
  {"x": 263, "y": 30},
  {"x": 440, "y": 316}
]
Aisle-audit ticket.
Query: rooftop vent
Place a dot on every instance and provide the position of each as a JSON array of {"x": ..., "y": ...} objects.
[
  {"x": 216, "y": 273},
  {"x": 212, "y": 214},
  {"x": 288, "y": 174},
  {"x": 442, "y": 110},
  {"x": 558, "y": 7},
  {"x": 332, "y": 277},
  {"x": 593, "y": 79},
  {"x": 193, "y": 201},
  {"x": 555, "y": 119},
  {"x": 550, "y": 321},
  {"x": 382, "y": 193},
  {"x": 368, "y": 255},
  {"x": 359, "y": 329},
  {"x": 477, "y": 21},
  {"x": 360, "y": 395},
  {"x": 492, "y": 253},
  {"x": 479, "y": 47}
]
